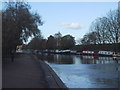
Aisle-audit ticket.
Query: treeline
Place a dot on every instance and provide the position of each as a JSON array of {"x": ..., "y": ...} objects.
[
  {"x": 104, "y": 33},
  {"x": 104, "y": 30},
  {"x": 99, "y": 47},
  {"x": 55, "y": 42}
]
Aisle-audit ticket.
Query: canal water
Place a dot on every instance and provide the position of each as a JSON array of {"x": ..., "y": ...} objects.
[{"x": 85, "y": 71}]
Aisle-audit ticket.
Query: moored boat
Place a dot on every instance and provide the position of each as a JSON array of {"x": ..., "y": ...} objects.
[
  {"x": 90, "y": 52},
  {"x": 116, "y": 55},
  {"x": 105, "y": 53}
]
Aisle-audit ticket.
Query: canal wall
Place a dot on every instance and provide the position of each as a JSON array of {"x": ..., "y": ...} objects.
[{"x": 51, "y": 77}]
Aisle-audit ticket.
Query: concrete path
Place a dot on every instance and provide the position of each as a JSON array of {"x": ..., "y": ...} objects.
[{"x": 24, "y": 72}]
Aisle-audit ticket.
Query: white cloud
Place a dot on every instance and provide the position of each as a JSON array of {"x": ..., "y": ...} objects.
[{"x": 71, "y": 25}]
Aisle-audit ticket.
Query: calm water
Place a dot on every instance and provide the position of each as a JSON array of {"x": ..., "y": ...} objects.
[
  {"x": 77, "y": 59},
  {"x": 85, "y": 71}
]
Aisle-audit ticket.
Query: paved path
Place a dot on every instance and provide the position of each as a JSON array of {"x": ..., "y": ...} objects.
[{"x": 24, "y": 72}]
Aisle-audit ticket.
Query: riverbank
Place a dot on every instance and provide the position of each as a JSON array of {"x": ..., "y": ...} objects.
[
  {"x": 52, "y": 78},
  {"x": 28, "y": 72}
]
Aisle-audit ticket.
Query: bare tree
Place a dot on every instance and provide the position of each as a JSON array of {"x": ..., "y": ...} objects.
[
  {"x": 89, "y": 38},
  {"x": 107, "y": 28},
  {"x": 113, "y": 26}
]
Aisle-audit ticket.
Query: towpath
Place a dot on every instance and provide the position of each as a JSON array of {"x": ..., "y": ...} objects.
[{"x": 27, "y": 71}]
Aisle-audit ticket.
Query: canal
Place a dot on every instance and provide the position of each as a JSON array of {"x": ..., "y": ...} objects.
[{"x": 85, "y": 71}]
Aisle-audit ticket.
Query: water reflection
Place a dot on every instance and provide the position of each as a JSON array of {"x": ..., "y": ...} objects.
[
  {"x": 85, "y": 71},
  {"x": 77, "y": 59},
  {"x": 57, "y": 59}
]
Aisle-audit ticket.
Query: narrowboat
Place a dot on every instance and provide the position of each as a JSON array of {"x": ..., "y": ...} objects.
[{"x": 90, "y": 52}]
